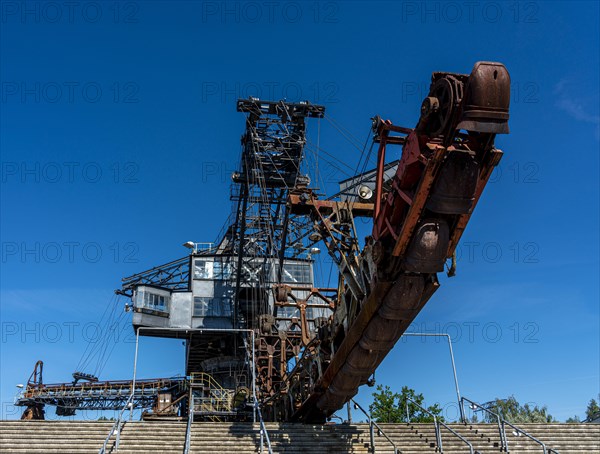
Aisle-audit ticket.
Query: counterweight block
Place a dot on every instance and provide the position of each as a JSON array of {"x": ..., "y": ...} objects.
[{"x": 487, "y": 99}]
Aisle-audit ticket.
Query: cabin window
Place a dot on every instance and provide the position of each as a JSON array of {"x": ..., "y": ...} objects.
[
  {"x": 200, "y": 306},
  {"x": 212, "y": 307},
  {"x": 203, "y": 269},
  {"x": 296, "y": 273},
  {"x": 222, "y": 270},
  {"x": 152, "y": 301}
]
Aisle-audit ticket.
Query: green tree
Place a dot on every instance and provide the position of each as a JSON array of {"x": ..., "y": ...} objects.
[
  {"x": 511, "y": 410},
  {"x": 390, "y": 407},
  {"x": 592, "y": 409},
  {"x": 591, "y": 412},
  {"x": 384, "y": 407}
]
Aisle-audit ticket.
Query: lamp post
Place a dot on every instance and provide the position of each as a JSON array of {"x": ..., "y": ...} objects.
[
  {"x": 447, "y": 336},
  {"x": 191, "y": 245}
]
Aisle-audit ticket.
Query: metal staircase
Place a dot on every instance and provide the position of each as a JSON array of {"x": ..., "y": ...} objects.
[{"x": 210, "y": 400}]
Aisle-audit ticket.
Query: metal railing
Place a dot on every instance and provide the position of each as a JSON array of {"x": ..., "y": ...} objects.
[
  {"x": 456, "y": 434},
  {"x": 188, "y": 430},
  {"x": 372, "y": 425},
  {"x": 449, "y": 339},
  {"x": 264, "y": 435},
  {"x": 214, "y": 397},
  {"x": 502, "y": 429},
  {"x": 520, "y": 432},
  {"x": 437, "y": 423},
  {"x": 117, "y": 426}
]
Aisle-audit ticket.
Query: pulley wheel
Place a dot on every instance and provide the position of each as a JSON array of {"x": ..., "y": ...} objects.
[{"x": 438, "y": 113}]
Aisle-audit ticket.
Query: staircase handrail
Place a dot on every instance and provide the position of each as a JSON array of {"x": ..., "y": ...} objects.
[
  {"x": 457, "y": 435},
  {"x": 438, "y": 434},
  {"x": 116, "y": 426},
  {"x": 500, "y": 421},
  {"x": 264, "y": 435},
  {"x": 437, "y": 423},
  {"x": 371, "y": 431},
  {"x": 188, "y": 430},
  {"x": 218, "y": 399},
  {"x": 522, "y": 432}
]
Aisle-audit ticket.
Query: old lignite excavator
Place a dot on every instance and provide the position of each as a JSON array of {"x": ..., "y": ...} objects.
[{"x": 257, "y": 329}]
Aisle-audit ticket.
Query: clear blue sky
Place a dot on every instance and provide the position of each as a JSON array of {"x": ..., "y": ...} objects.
[{"x": 119, "y": 133}]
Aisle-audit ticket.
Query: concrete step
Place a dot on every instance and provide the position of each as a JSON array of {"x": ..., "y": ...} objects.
[{"x": 78, "y": 437}]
